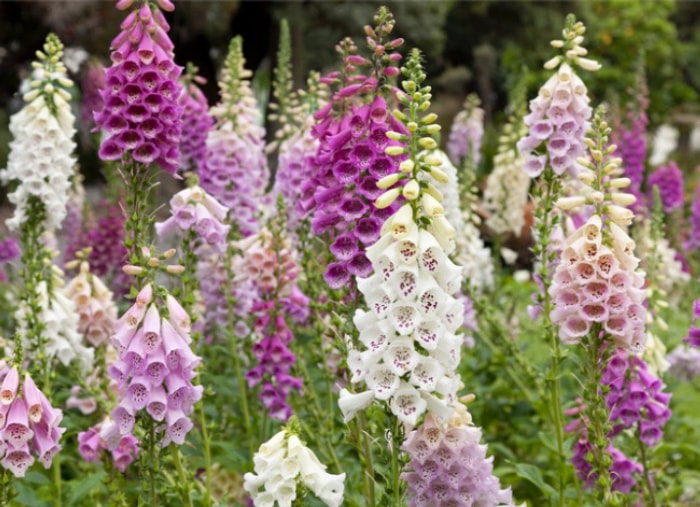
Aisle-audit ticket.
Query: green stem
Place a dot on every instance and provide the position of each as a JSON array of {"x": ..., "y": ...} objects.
[
  {"x": 207, "y": 453},
  {"x": 366, "y": 452},
  {"x": 645, "y": 466},
  {"x": 396, "y": 466},
  {"x": 57, "y": 480},
  {"x": 184, "y": 482}
]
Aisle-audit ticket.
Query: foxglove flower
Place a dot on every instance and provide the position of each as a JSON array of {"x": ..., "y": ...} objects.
[
  {"x": 155, "y": 367},
  {"x": 622, "y": 470},
  {"x": 448, "y": 465},
  {"x": 94, "y": 304},
  {"x": 282, "y": 463},
  {"x": 29, "y": 426},
  {"x": 196, "y": 124},
  {"x": 141, "y": 118},
  {"x": 236, "y": 172},
  {"x": 507, "y": 185},
  {"x": 105, "y": 436},
  {"x": 194, "y": 209},
  {"x": 94, "y": 81},
  {"x": 693, "y": 242},
  {"x": 684, "y": 363},
  {"x": 40, "y": 162},
  {"x": 693, "y": 338},
  {"x": 466, "y": 134},
  {"x": 669, "y": 179},
  {"x": 559, "y": 115},
  {"x": 9, "y": 249}
]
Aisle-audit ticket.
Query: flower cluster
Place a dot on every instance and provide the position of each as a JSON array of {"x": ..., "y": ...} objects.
[
  {"x": 9, "y": 249},
  {"x": 684, "y": 363},
  {"x": 236, "y": 171},
  {"x": 622, "y": 469},
  {"x": 155, "y": 366},
  {"x": 351, "y": 158},
  {"x": 669, "y": 180},
  {"x": 196, "y": 124},
  {"x": 464, "y": 143},
  {"x": 142, "y": 112},
  {"x": 506, "y": 192},
  {"x": 595, "y": 284},
  {"x": 94, "y": 304},
  {"x": 93, "y": 82},
  {"x": 693, "y": 242},
  {"x": 693, "y": 338},
  {"x": 194, "y": 209},
  {"x": 281, "y": 464},
  {"x": 105, "y": 436},
  {"x": 40, "y": 162},
  {"x": 559, "y": 115},
  {"x": 29, "y": 425},
  {"x": 448, "y": 465},
  {"x": 635, "y": 397}
]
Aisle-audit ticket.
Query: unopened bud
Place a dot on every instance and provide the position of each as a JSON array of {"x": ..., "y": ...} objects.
[
  {"x": 411, "y": 190},
  {"x": 132, "y": 270},
  {"x": 175, "y": 269}
]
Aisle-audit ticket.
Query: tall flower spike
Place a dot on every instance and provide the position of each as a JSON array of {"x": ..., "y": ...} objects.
[
  {"x": 410, "y": 346},
  {"x": 669, "y": 180},
  {"x": 560, "y": 114},
  {"x": 351, "y": 157},
  {"x": 464, "y": 143},
  {"x": 141, "y": 118},
  {"x": 236, "y": 171},
  {"x": 597, "y": 283},
  {"x": 41, "y": 162},
  {"x": 196, "y": 123}
]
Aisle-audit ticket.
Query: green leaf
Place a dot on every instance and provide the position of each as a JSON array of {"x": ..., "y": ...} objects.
[
  {"x": 80, "y": 489},
  {"x": 534, "y": 475}
]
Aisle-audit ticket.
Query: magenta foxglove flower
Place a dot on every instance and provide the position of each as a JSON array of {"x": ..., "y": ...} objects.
[
  {"x": 196, "y": 124},
  {"x": 669, "y": 179},
  {"x": 29, "y": 426},
  {"x": 622, "y": 471},
  {"x": 693, "y": 242},
  {"x": 142, "y": 113},
  {"x": 155, "y": 368},
  {"x": 693, "y": 338},
  {"x": 9, "y": 249},
  {"x": 94, "y": 81},
  {"x": 105, "y": 436}
]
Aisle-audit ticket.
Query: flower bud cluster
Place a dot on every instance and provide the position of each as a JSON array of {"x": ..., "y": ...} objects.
[
  {"x": 94, "y": 304},
  {"x": 142, "y": 111},
  {"x": 507, "y": 185},
  {"x": 281, "y": 465},
  {"x": 236, "y": 171},
  {"x": 559, "y": 115},
  {"x": 196, "y": 124},
  {"x": 156, "y": 365},
  {"x": 105, "y": 436},
  {"x": 194, "y": 209},
  {"x": 40, "y": 162},
  {"x": 448, "y": 465},
  {"x": 29, "y": 425},
  {"x": 464, "y": 143}
]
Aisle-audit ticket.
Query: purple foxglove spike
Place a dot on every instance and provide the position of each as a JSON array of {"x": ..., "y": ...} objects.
[
  {"x": 18, "y": 460},
  {"x": 178, "y": 425},
  {"x": 34, "y": 399},
  {"x": 89, "y": 444},
  {"x": 16, "y": 431},
  {"x": 179, "y": 318},
  {"x": 8, "y": 390},
  {"x": 46, "y": 443},
  {"x": 125, "y": 452},
  {"x": 136, "y": 33},
  {"x": 122, "y": 39},
  {"x": 161, "y": 38},
  {"x": 128, "y": 22},
  {"x": 158, "y": 403},
  {"x": 145, "y": 13}
]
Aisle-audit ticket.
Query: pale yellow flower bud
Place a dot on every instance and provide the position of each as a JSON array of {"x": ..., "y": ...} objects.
[
  {"x": 402, "y": 221},
  {"x": 427, "y": 143},
  {"x": 169, "y": 253},
  {"x": 431, "y": 206},
  {"x": 154, "y": 262},
  {"x": 406, "y": 166},
  {"x": 411, "y": 190},
  {"x": 619, "y": 214},
  {"x": 569, "y": 203},
  {"x": 588, "y": 64},
  {"x": 394, "y": 150},
  {"x": 619, "y": 182},
  {"x": 387, "y": 198},
  {"x": 439, "y": 175},
  {"x": 623, "y": 199},
  {"x": 552, "y": 63},
  {"x": 132, "y": 270},
  {"x": 433, "y": 190},
  {"x": 388, "y": 180},
  {"x": 175, "y": 269}
]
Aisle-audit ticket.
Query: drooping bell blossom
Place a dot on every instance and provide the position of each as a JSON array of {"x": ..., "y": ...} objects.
[
  {"x": 693, "y": 241},
  {"x": 236, "y": 171},
  {"x": 669, "y": 179},
  {"x": 104, "y": 436},
  {"x": 464, "y": 143},
  {"x": 141, "y": 118},
  {"x": 506, "y": 192},
  {"x": 196, "y": 124},
  {"x": 281, "y": 465},
  {"x": 275, "y": 361},
  {"x": 623, "y": 469},
  {"x": 448, "y": 465},
  {"x": 62, "y": 339},
  {"x": 596, "y": 283},
  {"x": 194, "y": 209},
  {"x": 559, "y": 115},
  {"x": 155, "y": 368},
  {"x": 29, "y": 425},
  {"x": 41, "y": 162},
  {"x": 94, "y": 304},
  {"x": 693, "y": 338},
  {"x": 105, "y": 238},
  {"x": 94, "y": 81}
]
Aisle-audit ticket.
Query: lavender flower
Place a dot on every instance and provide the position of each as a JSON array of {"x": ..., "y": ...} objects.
[
  {"x": 196, "y": 124},
  {"x": 693, "y": 242},
  {"x": 9, "y": 249},
  {"x": 464, "y": 143},
  {"x": 105, "y": 436},
  {"x": 693, "y": 338},
  {"x": 684, "y": 363},
  {"x": 141, "y": 117}
]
